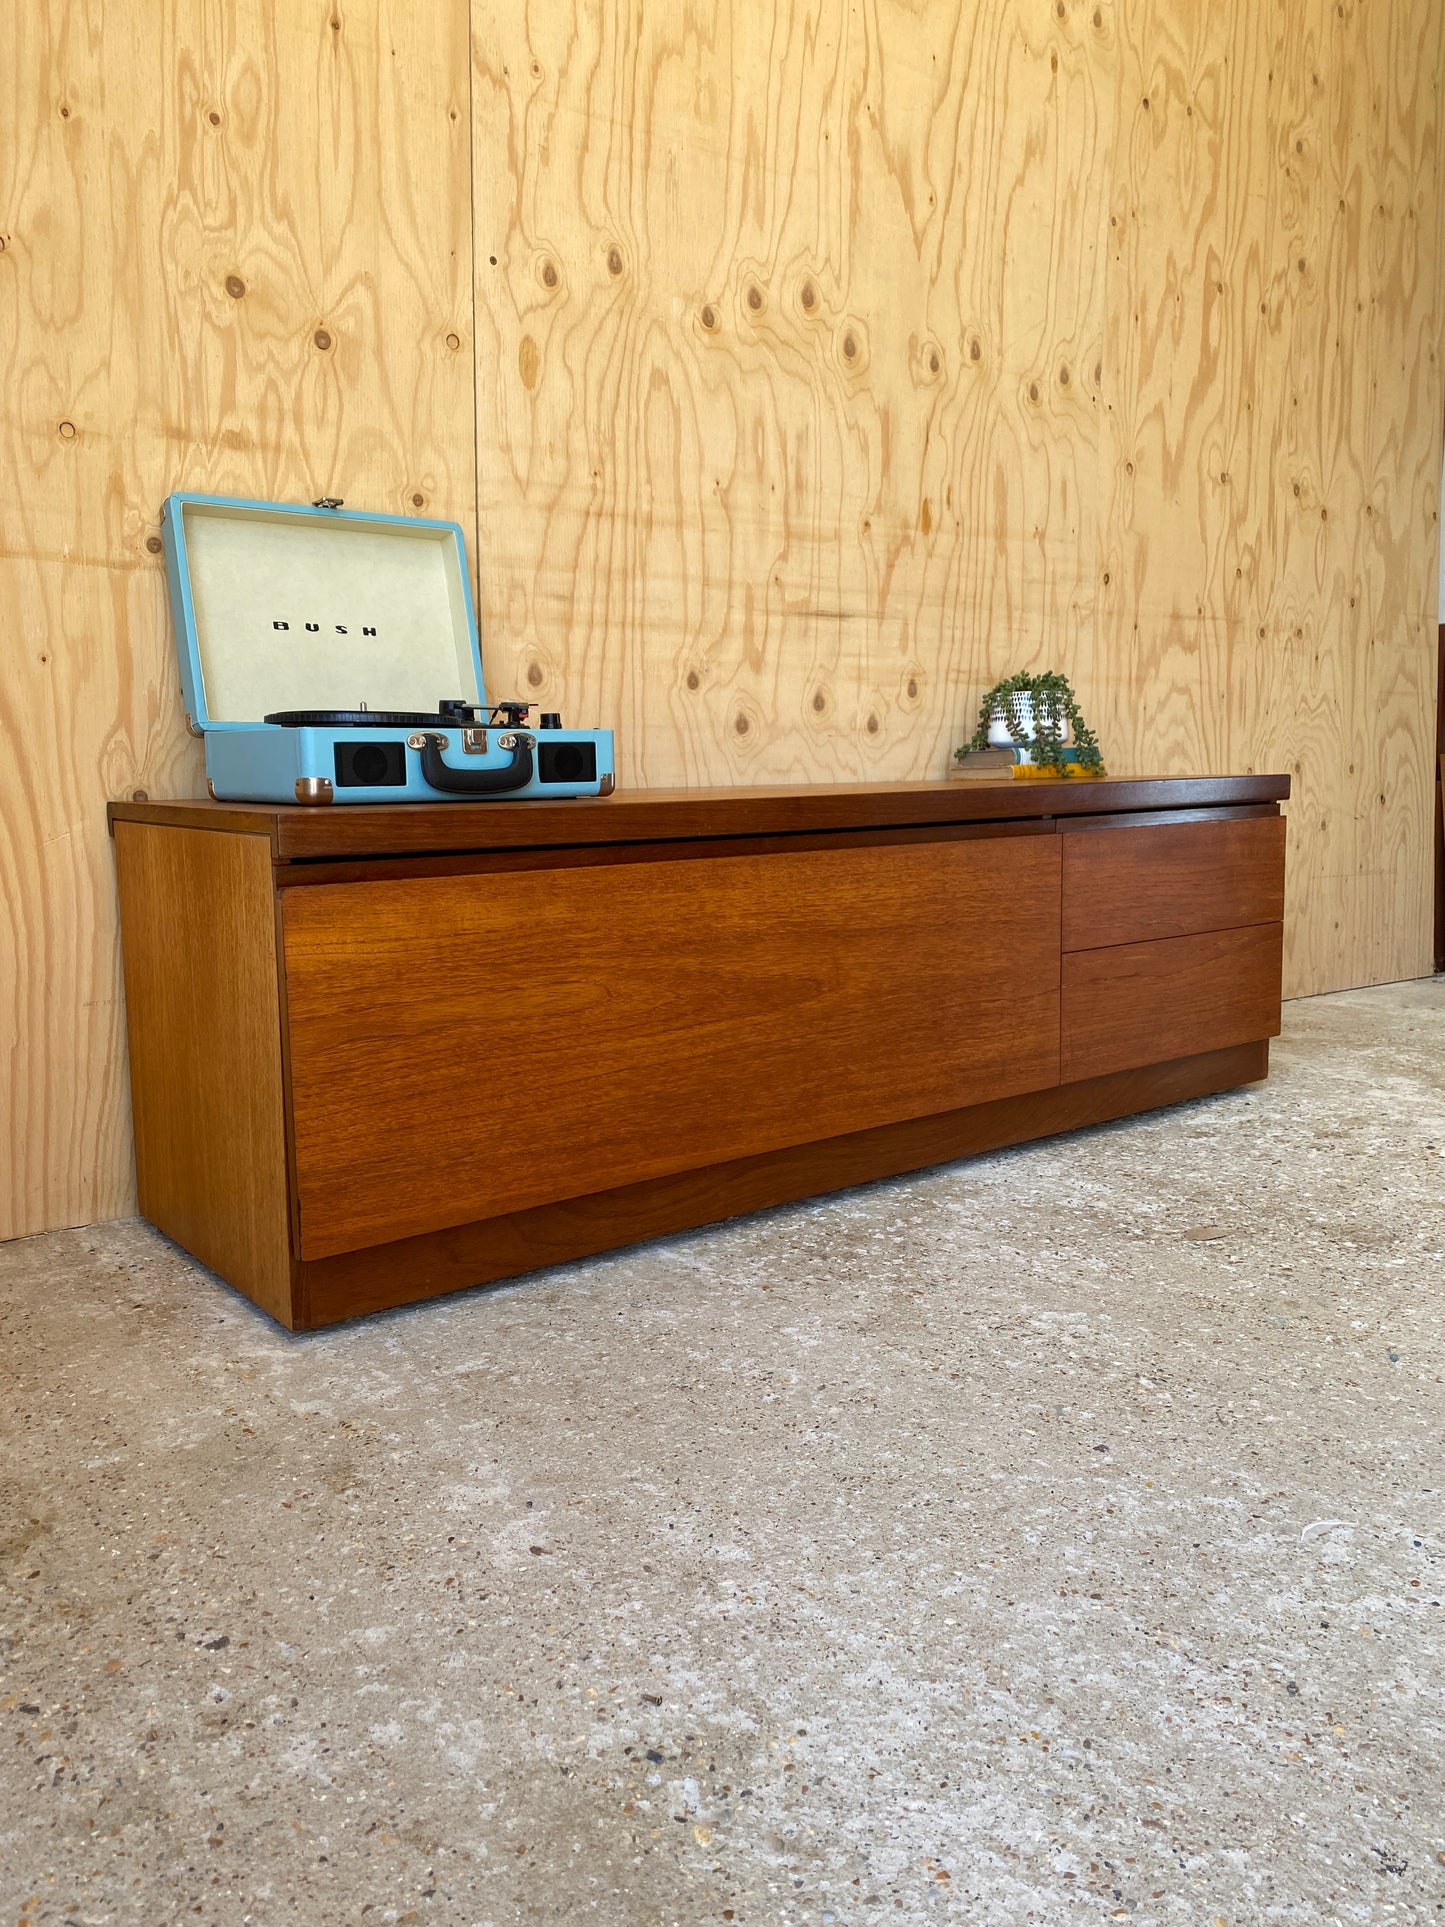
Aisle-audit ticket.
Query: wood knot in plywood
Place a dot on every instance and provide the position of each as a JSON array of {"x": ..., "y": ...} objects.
[{"x": 851, "y": 347}]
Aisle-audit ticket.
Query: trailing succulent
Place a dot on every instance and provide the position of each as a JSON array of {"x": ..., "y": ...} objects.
[{"x": 1054, "y": 703}]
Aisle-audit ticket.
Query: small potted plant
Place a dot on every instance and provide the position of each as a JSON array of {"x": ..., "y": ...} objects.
[{"x": 1039, "y": 719}]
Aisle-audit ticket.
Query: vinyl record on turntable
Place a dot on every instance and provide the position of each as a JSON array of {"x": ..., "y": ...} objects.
[{"x": 354, "y": 719}]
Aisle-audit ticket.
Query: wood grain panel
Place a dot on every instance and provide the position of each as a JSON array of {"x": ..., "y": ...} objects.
[
  {"x": 1181, "y": 270},
  {"x": 789, "y": 317},
  {"x": 1271, "y": 474},
  {"x": 1171, "y": 880},
  {"x": 204, "y": 1020},
  {"x": 1142, "y": 1002},
  {"x": 561, "y": 1033},
  {"x": 1098, "y": 336},
  {"x": 234, "y": 254},
  {"x": 64, "y": 1105}
]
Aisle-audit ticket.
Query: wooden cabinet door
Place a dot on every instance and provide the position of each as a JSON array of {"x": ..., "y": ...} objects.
[{"x": 464, "y": 1046}]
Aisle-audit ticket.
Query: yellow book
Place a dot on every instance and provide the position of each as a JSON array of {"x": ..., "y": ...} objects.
[{"x": 1055, "y": 773}]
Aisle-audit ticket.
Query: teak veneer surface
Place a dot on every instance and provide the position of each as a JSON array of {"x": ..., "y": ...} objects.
[
  {"x": 470, "y": 1046},
  {"x": 364, "y": 1077},
  {"x": 1172, "y": 880},
  {"x": 299, "y": 834},
  {"x": 1139, "y": 1003},
  {"x": 203, "y": 1018}
]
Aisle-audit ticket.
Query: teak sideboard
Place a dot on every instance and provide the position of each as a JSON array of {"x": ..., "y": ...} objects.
[{"x": 382, "y": 1053}]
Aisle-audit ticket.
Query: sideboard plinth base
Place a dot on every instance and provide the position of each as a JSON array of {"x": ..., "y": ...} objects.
[{"x": 327, "y": 1290}]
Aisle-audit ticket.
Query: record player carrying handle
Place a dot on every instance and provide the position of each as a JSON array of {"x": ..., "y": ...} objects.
[{"x": 515, "y": 775}]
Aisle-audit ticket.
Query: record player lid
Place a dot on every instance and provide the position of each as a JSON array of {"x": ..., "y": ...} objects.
[{"x": 279, "y": 607}]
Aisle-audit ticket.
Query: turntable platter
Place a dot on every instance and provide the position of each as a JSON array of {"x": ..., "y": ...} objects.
[{"x": 355, "y": 719}]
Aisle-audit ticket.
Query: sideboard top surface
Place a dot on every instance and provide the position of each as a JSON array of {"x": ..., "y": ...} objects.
[{"x": 301, "y": 834}]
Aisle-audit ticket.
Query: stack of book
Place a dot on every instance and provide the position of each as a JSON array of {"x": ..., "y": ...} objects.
[{"x": 1008, "y": 765}]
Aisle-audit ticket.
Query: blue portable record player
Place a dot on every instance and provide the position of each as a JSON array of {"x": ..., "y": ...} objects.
[{"x": 332, "y": 657}]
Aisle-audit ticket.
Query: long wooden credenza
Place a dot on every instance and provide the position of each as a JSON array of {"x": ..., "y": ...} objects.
[{"x": 380, "y": 1053}]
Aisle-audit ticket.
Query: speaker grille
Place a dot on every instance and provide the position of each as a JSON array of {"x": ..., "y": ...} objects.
[
  {"x": 370, "y": 766},
  {"x": 567, "y": 762}
]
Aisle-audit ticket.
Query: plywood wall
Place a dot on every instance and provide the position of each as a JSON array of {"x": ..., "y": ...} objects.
[
  {"x": 801, "y": 365},
  {"x": 235, "y": 253},
  {"x": 837, "y": 359}
]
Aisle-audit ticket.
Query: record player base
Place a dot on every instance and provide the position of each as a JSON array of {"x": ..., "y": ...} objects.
[{"x": 327, "y": 1290}]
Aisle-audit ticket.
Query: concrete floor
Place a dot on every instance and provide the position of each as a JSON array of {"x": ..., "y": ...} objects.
[{"x": 1055, "y": 1538}]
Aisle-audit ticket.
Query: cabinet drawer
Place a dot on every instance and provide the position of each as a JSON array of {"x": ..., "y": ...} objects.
[
  {"x": 466, "y": 1046},
  {"x": 1125, "y": 886},
  {"x": 1146, "y": 1003}
]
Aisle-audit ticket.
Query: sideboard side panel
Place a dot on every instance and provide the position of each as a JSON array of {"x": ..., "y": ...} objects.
[
  {"x": 203, "y": 1020},
  {"x": 463, "y": 1047}
]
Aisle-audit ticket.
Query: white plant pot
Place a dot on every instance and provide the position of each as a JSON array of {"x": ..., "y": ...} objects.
[{"x": 999, "y": 733}]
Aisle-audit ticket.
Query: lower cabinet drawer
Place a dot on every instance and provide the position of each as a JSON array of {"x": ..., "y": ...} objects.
[
  {"x": 466, "y": 1046},
  {"x": 1145, "y": 1003}
]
